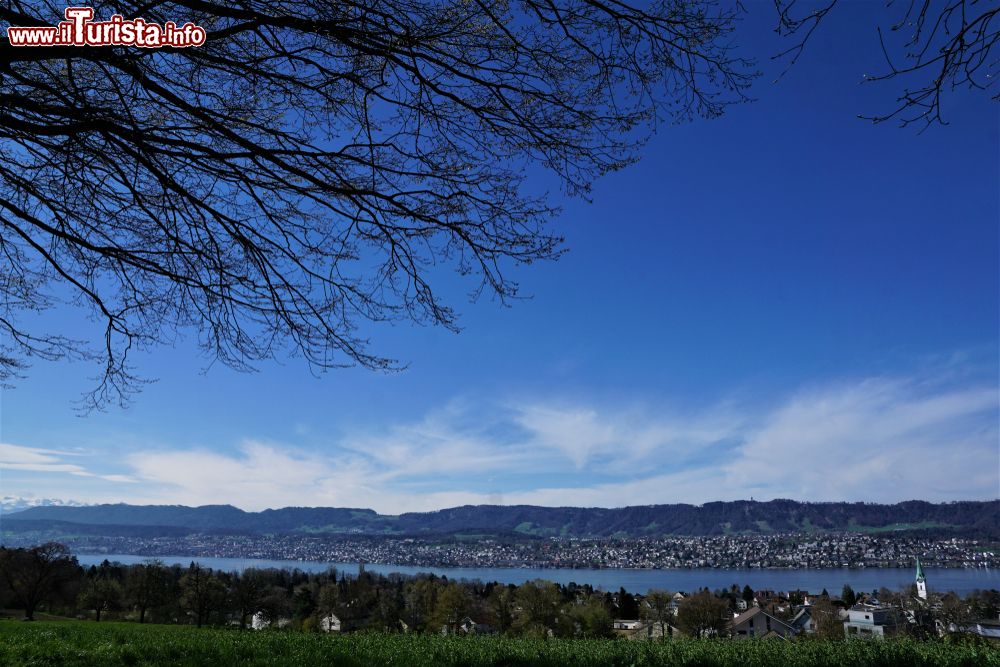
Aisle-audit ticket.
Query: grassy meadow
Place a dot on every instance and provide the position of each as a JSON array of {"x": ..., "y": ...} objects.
[{"x": 86, "y": 644}]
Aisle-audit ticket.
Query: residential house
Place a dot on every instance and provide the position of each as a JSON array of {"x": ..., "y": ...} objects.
[
  {"x": 330, "y": 623},
  {"x": 803, "y": 621},
  {"x": 756, "y": 622},
  {"x": 623, "y": 624},
  {"x": 988, "y": 629},
  {"x": 470, "y": 626},
  {"x": 653, "y": 630},
  {"x": 869, "y": 621}
]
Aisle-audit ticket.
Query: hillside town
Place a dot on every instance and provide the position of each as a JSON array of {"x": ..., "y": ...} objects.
[{"x": 794, "y": 551}]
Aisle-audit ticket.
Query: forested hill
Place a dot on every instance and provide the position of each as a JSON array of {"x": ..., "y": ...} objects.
[{"x": 977, "y": 518}]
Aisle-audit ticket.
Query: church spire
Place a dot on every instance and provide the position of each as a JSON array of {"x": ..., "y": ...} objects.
[{"x": 921, "y": 582}]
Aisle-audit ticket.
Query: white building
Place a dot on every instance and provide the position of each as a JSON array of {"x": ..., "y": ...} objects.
[
  {"x": 873, "y": 622},
  {"x": 329, "y": 623},
  {"x": 921, "y": 582}
]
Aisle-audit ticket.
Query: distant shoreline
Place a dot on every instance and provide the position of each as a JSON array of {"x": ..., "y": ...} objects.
[
  {"x": 959, "y": 580},
  {"x": 540, "y": 566}
]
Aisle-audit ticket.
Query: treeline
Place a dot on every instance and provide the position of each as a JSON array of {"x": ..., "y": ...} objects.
[{"x": 47, "y": 578}]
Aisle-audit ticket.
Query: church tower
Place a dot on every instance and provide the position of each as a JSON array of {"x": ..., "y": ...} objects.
[{"x": 921, "y": 582}]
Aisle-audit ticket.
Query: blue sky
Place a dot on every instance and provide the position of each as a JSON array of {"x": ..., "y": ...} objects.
[{"x": 784, "y": 302}]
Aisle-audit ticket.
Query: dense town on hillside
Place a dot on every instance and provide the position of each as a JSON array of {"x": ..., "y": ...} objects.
[{"x": 750, "y": 551}]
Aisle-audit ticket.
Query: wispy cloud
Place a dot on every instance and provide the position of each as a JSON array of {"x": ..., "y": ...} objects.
[
  {"x": 879, "y": 439},
  {"x": 34, "y": 459},
  {"x": 618, "y": 440},
  {"x": 258, "y": 475},
  {"x": 876, "y": 439}
]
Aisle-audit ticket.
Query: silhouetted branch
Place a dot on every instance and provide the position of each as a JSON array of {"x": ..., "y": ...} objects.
[
  {"x": 314, "y": 165},
  {"x": 942, "y": 46}
]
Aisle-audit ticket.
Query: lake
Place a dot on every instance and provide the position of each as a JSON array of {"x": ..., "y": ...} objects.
[{"x": 636, "y": 581}]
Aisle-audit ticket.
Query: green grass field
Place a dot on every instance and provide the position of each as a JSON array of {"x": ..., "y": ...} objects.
[{"x": 79, "y": 643}]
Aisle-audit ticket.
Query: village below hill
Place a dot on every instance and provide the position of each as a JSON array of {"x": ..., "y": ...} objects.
[{"x": 835, "y": 550}]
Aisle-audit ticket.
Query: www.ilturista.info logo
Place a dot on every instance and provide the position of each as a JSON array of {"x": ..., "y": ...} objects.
[{"x": 79, "y": 30}]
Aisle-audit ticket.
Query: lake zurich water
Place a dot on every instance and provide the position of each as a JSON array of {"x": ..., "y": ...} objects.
[{"x": 636, "y": 581}]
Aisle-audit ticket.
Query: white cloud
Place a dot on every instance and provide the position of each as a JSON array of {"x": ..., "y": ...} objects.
[
  {"x": 618, "y": 440},
  {"x": 876, "y": 439},
  {"x": 34, "y": 459},
  {"x": 444, "y": 442},
  {"x": 259, "y": 475}
]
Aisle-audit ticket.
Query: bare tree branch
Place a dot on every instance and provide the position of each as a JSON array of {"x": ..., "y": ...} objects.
[
  {"x": 316, "y": 165},
  {"x": 931, "y": 48}
]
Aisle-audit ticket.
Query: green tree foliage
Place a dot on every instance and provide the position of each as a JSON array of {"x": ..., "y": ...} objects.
[
  {"x": 588, "y": 618},
  {"x": 148, "y": 585},
  {"x": 952, "y": 610},
  {"x": 245, "y": 593},
  {"x": 703, "y": 615},
  {"x": 37, "y": 575},
  {"x": 984, "y": 604},
  {"x": 101, "y": 594},
  {"x": 657, "y": 609},
  {"x": 420, "y": 596},
  {"x": 273, "y": 604},
  {"x": 627, "y": 606},
  {"x": 501, "y": 607},
  {"x": 453, "y": 604},
  {"x": 423, "y": 604},
  {"x": 539, "y": 603},
  {"x": 388, "y": 609},
  {"x": 826, "y": 618},
  {"x": 848, "y": 595},
  {"x": 201, "y": 593}
]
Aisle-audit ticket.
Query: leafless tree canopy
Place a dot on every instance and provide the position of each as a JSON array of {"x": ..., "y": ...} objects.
[
  {"x": 316, "y": 164},
  {"x": 931, "y": 47}
]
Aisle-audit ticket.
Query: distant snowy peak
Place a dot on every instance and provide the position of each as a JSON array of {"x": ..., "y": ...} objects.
[{"x": 15, "y": 504}]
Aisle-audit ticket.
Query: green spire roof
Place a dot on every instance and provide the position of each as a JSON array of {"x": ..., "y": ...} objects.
[{"x": 920, "y": 571}]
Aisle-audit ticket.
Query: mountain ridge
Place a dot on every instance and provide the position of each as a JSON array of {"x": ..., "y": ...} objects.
[{"x": 714, "y": 518}]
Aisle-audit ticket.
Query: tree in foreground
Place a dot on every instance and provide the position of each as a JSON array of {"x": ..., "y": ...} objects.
[
  {"x": 588, "y": 618},
  {"x": 827, "y": 619},
  {"x": 658, "y": 610},
  {"x": 317, "y": 165},
  {"x": 101, "y": 594},
  {"x": 703, "y": 615},
  {"x": 148, "y": 585},
  {"x": 34, "y": 576},
  {"x": 930, "y": 50},
  {"x": 501, "y": 604},
  {"x": 452, "y": 606},
  {"x": 539, "y": 603},
  {"x": 201, "y": 593}
]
